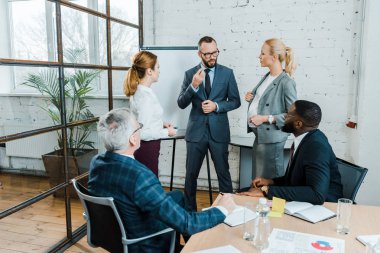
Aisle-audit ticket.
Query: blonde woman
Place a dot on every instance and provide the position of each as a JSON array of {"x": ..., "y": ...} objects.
[
  {"x": 269, "y": 102},
  {"x": 145, "y": 105}
]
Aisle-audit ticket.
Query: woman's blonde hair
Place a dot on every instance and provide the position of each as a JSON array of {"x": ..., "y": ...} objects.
[
  {"x": 284, "y": 53},
  {"x": 141, "y": 61}
]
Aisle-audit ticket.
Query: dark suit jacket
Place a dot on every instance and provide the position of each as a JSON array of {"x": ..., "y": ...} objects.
[
  {"x": 313, "y": 175},
  {"x": 224, "y": 92},
  {"x": 143, "y": 205}
]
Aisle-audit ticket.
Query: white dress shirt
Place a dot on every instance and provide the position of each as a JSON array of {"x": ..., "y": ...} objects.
[
  {"x": 211, "y": 74},
  {"x": 144, "y": 103},
  {"x": 297, "y": 141},
  {"x": 252, "y": 111}
]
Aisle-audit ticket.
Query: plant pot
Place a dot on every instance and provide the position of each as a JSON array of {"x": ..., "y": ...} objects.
[{"x": 78, "y": 163}]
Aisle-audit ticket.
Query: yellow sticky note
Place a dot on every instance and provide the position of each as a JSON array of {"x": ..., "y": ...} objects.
[
  {"x": 278, "y": 205},
  {"x": 275, "y": 214}
]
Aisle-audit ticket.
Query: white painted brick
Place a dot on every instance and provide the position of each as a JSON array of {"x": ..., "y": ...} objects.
[{"x": 320, "y": 32}]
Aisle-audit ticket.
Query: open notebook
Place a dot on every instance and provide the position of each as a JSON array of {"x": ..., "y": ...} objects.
[
  {"x": 308, "y": 212},
  {"x": 237, "y": 216}
]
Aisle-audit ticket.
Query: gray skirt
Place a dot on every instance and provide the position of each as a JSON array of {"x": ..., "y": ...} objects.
[{"x": 268, "y": 160}]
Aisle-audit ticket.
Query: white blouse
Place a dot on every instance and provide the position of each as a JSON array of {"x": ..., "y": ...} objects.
[
  {"x": 144, "y": 103},
  {"x": 252, "y": 111}
]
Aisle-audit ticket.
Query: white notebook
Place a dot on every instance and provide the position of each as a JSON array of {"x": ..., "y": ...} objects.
[
  {"x": 365, "y": 239},
  {"x": 237, "y": 216},
  {"x": 308, "y": 212}
]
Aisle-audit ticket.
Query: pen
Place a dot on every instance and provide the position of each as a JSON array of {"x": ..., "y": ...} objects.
[{"x": 221, "y": 193}]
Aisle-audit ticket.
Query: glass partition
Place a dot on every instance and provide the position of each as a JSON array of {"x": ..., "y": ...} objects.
[
  {"x": 35, "y": 228},
  {"x": 83, "y": 37},
  {"x": 32, "y": 134},
  {"x": 29, "y": 27},
  {"x": 124, "y": 44},
  {"x": 127, "y": 10},
  {"x": 99, "y": 5}
]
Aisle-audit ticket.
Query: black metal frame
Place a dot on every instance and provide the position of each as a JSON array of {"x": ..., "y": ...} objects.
[{"x": 72, "y": 236}]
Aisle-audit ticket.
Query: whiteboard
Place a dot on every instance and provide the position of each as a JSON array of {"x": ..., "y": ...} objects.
[{"x": 173, "y": 64}]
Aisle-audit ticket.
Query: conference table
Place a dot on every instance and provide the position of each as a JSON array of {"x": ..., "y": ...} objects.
[{"x": 365, "y": 220}]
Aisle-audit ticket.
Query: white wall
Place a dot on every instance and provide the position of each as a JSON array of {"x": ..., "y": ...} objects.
[
  {"x": 366, "y": 139},
  {"x": 324, "y": 35}
]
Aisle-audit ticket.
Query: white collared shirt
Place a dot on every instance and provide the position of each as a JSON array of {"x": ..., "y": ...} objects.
[
  {"x": 211, "y": 74},
  {"x": 130, "y": 156},
  {"x": 144, "y": 103},
  {"x": 252, "y": 111},
  {"x": 297, "y": 141}
]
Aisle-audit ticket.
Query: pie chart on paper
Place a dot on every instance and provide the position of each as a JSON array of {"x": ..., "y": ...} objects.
[{"x": 322, "y": 245}]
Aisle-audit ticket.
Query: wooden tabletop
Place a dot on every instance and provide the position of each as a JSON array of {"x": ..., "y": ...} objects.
[{"x": 365, "y": 220}]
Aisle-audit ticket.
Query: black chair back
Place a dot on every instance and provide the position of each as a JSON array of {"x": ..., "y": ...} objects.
[
  {"x": 105, "y": 232},
  {"x": 352, "y": 177},
  {"x": 105, "y": 228}
]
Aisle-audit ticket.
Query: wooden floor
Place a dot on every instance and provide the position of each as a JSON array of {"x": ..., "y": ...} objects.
[{"x": 40, "y": 226}]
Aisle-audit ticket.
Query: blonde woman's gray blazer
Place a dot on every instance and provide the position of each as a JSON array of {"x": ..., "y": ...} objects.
[{"x": 276, "y": 100}]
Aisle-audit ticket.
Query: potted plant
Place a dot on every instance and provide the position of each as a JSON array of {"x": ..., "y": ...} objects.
[{"x": 80, "y": 150}]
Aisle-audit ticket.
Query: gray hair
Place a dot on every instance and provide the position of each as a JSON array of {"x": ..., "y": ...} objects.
[{"x": 115, "y": 128}]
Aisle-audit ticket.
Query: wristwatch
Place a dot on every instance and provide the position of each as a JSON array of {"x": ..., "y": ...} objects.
[
  {"x": 270, "y": 119},
  {"x": 264, "y": 189}
]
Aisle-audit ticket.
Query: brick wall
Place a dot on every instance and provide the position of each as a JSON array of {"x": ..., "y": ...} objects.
[{"x": 323, "y": 34}]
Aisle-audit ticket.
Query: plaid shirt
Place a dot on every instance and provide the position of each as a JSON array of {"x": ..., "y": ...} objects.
[{"x": 143, "y": 205}]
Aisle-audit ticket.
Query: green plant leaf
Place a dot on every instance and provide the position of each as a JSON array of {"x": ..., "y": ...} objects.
[{"x": 77, "y": 86}]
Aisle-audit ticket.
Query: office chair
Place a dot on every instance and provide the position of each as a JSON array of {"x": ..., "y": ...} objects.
[
  {"x": 104, "y": 226},
  {"x": 352, "y": 177}
]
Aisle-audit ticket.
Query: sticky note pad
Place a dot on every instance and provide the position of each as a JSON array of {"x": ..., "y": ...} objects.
[
  {"x": 275, "y": 214},
  {"x": 278, "y": 206}
]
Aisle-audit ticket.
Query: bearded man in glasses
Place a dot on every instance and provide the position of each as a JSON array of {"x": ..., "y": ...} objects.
[{"x": 211, "y": 90}]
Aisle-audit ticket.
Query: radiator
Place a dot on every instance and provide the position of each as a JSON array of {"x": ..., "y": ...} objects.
[
  {"x": 35, "y": 146},
  {"x": 32, "y": 147}
]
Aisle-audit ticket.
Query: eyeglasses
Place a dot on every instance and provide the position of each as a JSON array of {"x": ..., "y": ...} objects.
[
  {"x": 208, "y": 55},
  {"x": 140, "y": 126}
]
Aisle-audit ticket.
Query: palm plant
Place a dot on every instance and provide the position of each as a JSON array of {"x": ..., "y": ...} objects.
[{"x": 77, "y": 87}]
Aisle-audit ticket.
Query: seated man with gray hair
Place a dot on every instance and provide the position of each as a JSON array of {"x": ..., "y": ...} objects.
[{"x": 143, "y": 205}]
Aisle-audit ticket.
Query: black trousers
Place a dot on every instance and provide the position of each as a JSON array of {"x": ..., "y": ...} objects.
[{"x": 196, "y": 152}]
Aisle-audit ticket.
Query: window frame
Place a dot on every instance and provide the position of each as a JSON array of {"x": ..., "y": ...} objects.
[{"x": 64, "y": 126}]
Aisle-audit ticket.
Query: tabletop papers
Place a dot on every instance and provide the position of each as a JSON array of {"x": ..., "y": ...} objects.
[{"x": 286, "y": 241}]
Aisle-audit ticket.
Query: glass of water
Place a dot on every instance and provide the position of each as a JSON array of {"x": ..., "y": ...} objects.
[
  {"x": 343, "y": 216},
  {"x": 248, "y": 226}
]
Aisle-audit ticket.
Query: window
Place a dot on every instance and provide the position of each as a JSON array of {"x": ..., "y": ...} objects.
[
  {"x": 49, "y": 51},
  {"x": 30, "y": 26}
]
